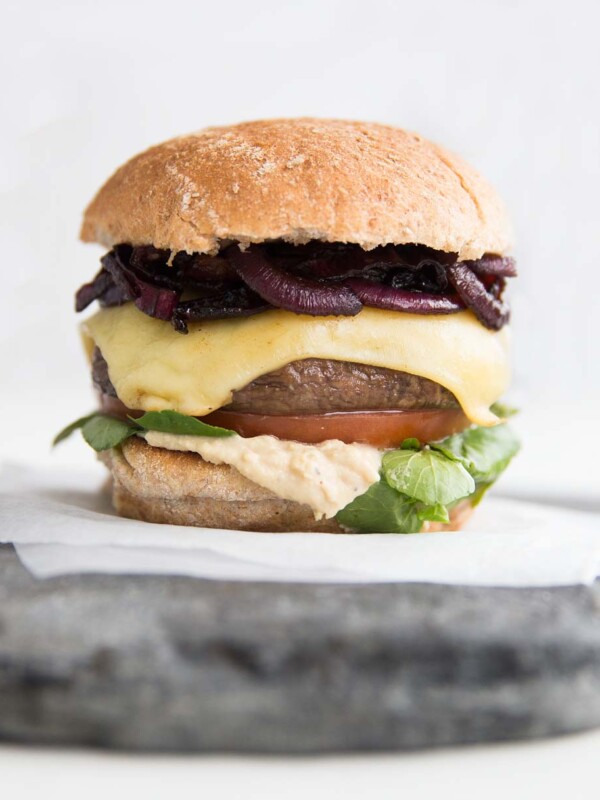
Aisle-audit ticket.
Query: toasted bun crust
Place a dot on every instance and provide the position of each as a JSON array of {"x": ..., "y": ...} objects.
[
  {"x": 299, "y": 179},
  {"x": 168, "y": 486}
]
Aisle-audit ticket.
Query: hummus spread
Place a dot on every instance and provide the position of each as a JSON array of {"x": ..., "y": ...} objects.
[{"x": 324, "y": 476}]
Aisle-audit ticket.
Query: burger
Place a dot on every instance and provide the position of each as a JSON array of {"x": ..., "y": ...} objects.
[{"x": 301, "y": 327}]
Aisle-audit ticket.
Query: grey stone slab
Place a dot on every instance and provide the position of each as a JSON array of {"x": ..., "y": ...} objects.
[{"x": 176, "y": 664}]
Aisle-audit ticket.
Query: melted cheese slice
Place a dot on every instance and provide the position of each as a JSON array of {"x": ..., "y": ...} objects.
[{"x": 152, "y": 367}]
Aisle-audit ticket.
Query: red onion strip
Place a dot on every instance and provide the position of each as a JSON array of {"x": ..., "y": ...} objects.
[
  {"x": 493, "y": 265},
  {"x": 316, "y": 279},
  {"x": 378, "y": 295},
  {"x": 89, "y": 292},
  {"x": 282, "y": 290},
  {"x": 489, "y": 310},
  {"x": 155, "y": 300}
]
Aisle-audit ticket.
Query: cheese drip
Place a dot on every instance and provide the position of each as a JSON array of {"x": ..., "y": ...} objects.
[{"x": 153, "y": 368}]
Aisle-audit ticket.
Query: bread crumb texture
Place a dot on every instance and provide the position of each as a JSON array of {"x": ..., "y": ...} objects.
[{"x": 299, "y": 179}]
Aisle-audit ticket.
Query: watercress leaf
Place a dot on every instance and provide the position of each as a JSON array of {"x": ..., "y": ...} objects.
[
  {"x": 410, "y": 444},
  {"x": 503, "y": 410},
  {"x": 381, "y": 510},
  {"x": 427, "y": 476},
  {"x": 102, "y": 432},
  {"x": 66, "y": 432},
  {"x": 174, "y": 422},
  {"x": 436, "y": 513},
  {"x": 480, "y": 491},
  {"x": 484, "y": 452}
]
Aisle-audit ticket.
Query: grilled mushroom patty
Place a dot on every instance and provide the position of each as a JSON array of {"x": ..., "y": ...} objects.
[{"x": 318, "y": 386}]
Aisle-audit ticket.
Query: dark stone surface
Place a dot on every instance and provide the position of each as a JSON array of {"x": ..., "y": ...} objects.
[{"x": 187, "y": 665}]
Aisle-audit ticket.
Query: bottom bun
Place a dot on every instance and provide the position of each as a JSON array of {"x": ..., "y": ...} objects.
[{"x": 178, "y": 488}]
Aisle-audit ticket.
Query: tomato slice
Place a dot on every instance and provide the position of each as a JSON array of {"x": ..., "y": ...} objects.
[{"x": 379, "y": 428}]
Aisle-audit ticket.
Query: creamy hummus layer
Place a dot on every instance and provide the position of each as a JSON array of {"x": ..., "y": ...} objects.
[{"x": 324, "y": 476}]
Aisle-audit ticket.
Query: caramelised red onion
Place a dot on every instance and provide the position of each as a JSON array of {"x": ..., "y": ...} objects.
[
  {"x": 122, "y": 277},
  {"x": 378, "y": 295},
  {"x": 502, "y": 266},
  {"x": 156, "y": 302},
  {"x": 292, "y": 293},
  {"x": 316, "y": 278},
  {"x": 497, "y": 288},
  {"x": 428, "y": 276},
  {"x": 94, "y": 290},
  {"x": 147, "y": 293},
  {"x": 113, "y": 296},
  {"x": 489, "y": 310},
  {"x": 143, "y": 257},
  {"x": 238, "y": 302},
  {"x": 417, "y": 254},
  {"x": 200, "y": 270},
  {"x": 341, "y": 262},
  {"x": 133, "y": 268}
]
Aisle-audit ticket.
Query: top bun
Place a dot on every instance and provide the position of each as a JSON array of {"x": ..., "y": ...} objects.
[{"x": 299, "y": 179}]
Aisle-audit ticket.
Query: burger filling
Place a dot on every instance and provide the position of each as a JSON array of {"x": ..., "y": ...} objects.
[
  {"x": 319, "y": 386},
  {"x": 153, "y": 368},
  {"x": 318, "y": 278},
  {"x": 359, "y": 383}
]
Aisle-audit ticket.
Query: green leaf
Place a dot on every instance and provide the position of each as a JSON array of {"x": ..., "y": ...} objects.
[
  {"x": 503, "y": 410},
  {"x": 103, "y": 432},
  {"x": 421, "y": 485},
  {"x": 410, "y": 444},
  {"x": 484, "y": 452},
  {"x": 381, "y": 510},
  {"x": 437, "y": 513},
  {"x": 479, "y": 493},
  {"x": 66, "y": 432},
  {"x": 174, "y": 422},
  {"x": 427, "y": 476}
]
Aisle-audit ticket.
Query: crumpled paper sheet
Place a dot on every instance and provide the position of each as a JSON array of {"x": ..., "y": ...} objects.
[{"x": 61, "y": 523}]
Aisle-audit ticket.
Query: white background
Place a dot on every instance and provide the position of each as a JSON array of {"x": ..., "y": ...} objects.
[{"x": 510, "y": 85}]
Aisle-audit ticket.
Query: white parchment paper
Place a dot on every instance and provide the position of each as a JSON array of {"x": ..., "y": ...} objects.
[{"x": 61, "y": 523}]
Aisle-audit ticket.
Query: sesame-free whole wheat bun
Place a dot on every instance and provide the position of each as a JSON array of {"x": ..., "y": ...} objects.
[
  {"x": 330, "y": 294},
  {"x": 178, "y": 488},
  {"x": 299, "y": 179}
]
